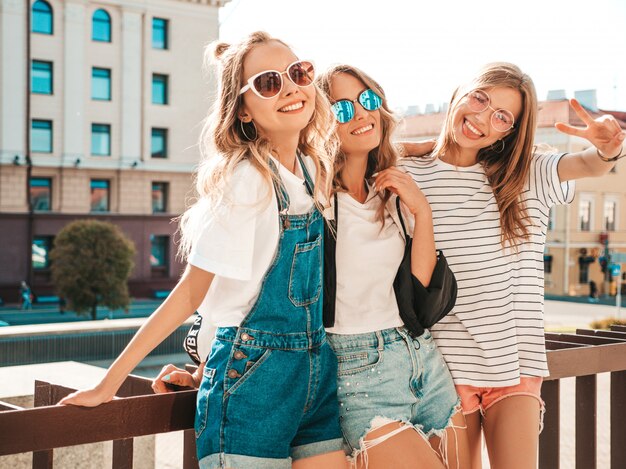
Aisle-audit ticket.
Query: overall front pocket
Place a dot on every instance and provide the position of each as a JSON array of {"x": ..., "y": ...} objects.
[
  {"x": 305, "y": 279},
  {"x": 245, "y": 362}
]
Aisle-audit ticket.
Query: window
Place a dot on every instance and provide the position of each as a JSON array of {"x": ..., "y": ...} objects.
[
  {"x": 100, "y": 139},
  {"x": 101, "y": 84},
  {"x": 159, "y": 253},
  {"x": 610, "y": 214},
  {"x": 41, "y": 77},
  {"x": 584, "y": 215},
  {"x": 99, "y": 195},
  {"x": 101, "y": 26},
  {"x": 41, "y": 136},
  {"x": 547, "y": 263},
  {"x": 41, "y": 252},
  {"x": 40, "y": 194},
  {"x": 159, "y": 89},
  {"x": 583, "y": 264},
  {"x": 159, "y": 143},
  {"x": 41, "y": 17},
  {"x": 159, "y": 197},
  {"x": 159, "y": 33}
]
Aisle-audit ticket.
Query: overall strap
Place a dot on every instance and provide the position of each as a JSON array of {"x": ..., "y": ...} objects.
[
  {"x": 282, "y": 197},
  {"x": 308, "y": 180}
]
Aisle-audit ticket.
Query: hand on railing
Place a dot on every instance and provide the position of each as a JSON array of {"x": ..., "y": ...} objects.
[
  {"x": 88, "y": 398},
  {"x": 172, "y": 378}
]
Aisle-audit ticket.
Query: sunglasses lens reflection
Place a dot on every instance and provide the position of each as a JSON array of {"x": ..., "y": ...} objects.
[
  {"x": 370, "y": 100},
  {"x": 343, "y": 111},
  {"x": 268, "y": 84},
  {"x": 302, "y": 73}
]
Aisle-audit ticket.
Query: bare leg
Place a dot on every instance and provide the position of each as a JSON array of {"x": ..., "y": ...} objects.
[
  {"x": 512, "y": 432},
  {"x": 474, "y": 438},
  {"x": 457, "y": 451},
  {"x": 334, "y": 460},
  {"x": 407, "y": 449}
]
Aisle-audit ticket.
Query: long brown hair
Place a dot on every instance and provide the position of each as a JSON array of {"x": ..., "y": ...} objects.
[
  {"x": 507, "y": 171},
  {"x": 223, "y": 145},
  {"x": 384, "y": 155}
]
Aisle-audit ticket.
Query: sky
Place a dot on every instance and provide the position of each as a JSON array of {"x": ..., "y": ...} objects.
[{"x": 419, "y": 51}]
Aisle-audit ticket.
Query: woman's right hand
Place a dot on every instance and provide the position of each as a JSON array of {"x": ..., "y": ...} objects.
[
  {"x": 88, "y": 398},
  {"x": 171, "y": 374}
]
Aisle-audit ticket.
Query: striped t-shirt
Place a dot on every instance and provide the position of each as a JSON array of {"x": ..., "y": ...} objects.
[{"x": 495, "y": 332}]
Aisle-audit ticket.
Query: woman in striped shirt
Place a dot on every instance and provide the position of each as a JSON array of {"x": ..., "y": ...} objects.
[{"x": 490, "y": 191}]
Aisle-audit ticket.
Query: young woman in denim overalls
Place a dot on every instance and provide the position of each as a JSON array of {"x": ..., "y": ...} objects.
[
  {"x": 398, "y": 405},
  {"x": 268, "y": 394}
]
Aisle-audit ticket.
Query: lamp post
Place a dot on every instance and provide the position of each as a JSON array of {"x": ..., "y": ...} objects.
[{"x": 29, "y": 163}]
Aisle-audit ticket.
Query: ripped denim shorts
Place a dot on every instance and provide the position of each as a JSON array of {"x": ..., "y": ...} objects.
[{"x": 387, "y": 376}]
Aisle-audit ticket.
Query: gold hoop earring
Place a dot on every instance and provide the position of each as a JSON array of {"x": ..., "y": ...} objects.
[
  {"x": 245, "y": 134},
  {"x": 501, "y": 148}
]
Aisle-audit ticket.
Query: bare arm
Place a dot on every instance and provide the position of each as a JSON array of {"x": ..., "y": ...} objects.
[
  {"x": 179, "y": 305},
  {"x": 423, "y": 253},
  {"x": 604, "y": 133},
  {"x": 420, "y": 148}
]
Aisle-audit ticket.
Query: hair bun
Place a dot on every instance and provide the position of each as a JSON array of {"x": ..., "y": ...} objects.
[{"x": 219, "y": 48}]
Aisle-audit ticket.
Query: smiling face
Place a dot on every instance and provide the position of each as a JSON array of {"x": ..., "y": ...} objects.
[
  {"x": 288, "y": 112},
  {"x": 363, "y": 133},
  {"x": 473, "y": 130}
]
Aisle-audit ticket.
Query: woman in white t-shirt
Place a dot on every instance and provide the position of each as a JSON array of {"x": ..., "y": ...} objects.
[
  {"x": 253, "y": 243},
  {"x": 398, "y": 404},
  {"x": 490, "y": 191}
]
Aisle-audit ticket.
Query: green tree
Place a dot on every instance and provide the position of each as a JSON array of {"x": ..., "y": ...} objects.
[{"x": 91, "y": 263}]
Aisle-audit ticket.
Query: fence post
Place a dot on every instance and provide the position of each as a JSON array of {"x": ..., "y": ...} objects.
[
  {"x": 123, "y": 454},
  {"x": 549, "y": 439},
  {"x": 42, "y": 397},
  {"x": 586, "y": 422},
  {"x": 618, "y": 418}
]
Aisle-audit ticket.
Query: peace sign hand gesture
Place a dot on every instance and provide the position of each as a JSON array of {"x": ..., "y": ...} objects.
[{"x": 603, "y": 132}]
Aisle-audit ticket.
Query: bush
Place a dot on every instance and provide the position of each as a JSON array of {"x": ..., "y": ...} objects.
[
  {"x": 91, "y": 263},
  {"x": 607, "y": 323}
]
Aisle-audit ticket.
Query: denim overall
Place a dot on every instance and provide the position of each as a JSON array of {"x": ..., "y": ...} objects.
[{"x": 269, "y": 390}]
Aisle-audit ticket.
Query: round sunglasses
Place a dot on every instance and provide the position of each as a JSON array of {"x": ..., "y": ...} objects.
[
  {"x": 501, "y": 119},
  {"x": 344, "y": 108},
  {"x": 269, "y": 83}
]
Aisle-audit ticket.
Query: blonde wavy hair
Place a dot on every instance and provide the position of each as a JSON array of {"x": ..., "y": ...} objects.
[
  {"x": 507, "y": 171},
  {"x": 384, "y": 155},
  {"x": 223, "y": 145}
]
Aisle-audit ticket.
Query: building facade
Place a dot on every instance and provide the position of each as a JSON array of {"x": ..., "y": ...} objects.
[
  {"x": 581, "y": 233},
  {"x": 101, "y": 106}
]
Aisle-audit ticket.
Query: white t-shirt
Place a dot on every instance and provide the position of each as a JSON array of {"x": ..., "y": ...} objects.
[
  {"x": 237, "y": 242},
  {"x": 367, "y": 260},
  {"x": 495, "y": 332}
]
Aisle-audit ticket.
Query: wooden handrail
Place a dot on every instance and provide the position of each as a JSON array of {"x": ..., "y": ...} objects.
[{"x": 139, "y": 412}]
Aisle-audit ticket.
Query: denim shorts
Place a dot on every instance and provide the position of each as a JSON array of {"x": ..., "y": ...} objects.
[
  {"x": 387, "y": 376},
  {"x": 263, "y": 403}
]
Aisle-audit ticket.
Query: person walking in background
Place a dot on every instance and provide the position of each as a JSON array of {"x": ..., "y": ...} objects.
[{"x": 26, "y": 296}]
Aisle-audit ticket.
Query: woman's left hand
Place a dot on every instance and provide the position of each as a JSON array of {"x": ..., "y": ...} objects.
[
  {"x": 603, "y": 132},
  {"x": 403, "y": 185}
]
